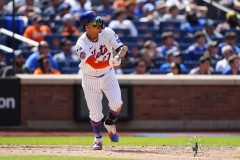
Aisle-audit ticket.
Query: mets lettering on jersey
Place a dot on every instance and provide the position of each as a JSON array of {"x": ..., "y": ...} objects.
[{"x": 102, "y": 50}]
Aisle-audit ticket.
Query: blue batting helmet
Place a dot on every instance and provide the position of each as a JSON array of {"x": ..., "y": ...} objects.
[{"x": 88, "y": 17}]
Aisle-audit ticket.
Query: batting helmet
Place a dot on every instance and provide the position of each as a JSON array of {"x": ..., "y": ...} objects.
[{"x": 88, "y": 17}]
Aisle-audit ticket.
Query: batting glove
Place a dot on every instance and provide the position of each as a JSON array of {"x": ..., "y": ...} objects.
[{"x": 115, "y": 61}]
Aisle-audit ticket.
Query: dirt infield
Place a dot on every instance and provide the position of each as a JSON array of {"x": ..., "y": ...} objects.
[{"x": 143, "y": 152}]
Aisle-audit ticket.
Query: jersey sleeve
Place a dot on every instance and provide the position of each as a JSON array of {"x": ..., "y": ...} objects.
[
  {"x": 114, "y": 40},
  {"x": 82, "y": 51}
]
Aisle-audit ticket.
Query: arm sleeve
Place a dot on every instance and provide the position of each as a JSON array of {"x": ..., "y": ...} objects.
[
  {"x": 96, "y": 64},
  {"x": 114, "y": 40}
]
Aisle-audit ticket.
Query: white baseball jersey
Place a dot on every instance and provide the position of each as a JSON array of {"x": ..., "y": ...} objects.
[
  {"x": 102, "y": 50},
  {"x": 96, "y": 81}
]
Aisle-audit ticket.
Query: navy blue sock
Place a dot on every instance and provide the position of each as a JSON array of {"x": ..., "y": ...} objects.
[{"x": 96, "y": 126}]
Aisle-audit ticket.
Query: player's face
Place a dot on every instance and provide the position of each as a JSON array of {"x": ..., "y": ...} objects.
[{"x": 95, "y": 25}]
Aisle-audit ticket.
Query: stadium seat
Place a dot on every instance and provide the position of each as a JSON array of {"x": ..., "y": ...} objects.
[
  {"x": 140, "y": 39},
  {"x": 134, "y": 48},
  {"x": 216, "y": 73},
  {"x": 159, "y": 62},
  {"x": 2, "y": 23},
  {"x": 19, "y": 24},
  {"x": 191, "y": 64},
  {"x": 122, "y": 32},
  {"x": 61, "y": 65},
  {"x": 69, "y": 70},
  {"x": 169, "y": 25},
  {"x": 143, "y": 25},
  {"x": 74, "y": 64},
  {"x": 148, "y": 32},
  {"x": 157, "y": 71},
  {"x": 128, "y": 70},
  {"x": 54, "y": 41}
]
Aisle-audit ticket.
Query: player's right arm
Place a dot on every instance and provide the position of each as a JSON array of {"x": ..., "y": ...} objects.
[
  {"x": 87, "y": 58},
  {"x": 93, "y": 62}
]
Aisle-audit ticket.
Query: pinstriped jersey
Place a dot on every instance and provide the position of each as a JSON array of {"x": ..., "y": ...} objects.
[{"x": 102, "y": 50}]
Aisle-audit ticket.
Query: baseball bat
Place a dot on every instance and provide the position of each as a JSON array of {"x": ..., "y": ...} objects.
[{"x": 122, "y": 52}]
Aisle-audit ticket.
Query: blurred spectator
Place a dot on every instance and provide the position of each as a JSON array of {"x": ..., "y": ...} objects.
[
  {"x": 230, "y": 38},
  {"x": 44, "y": 67},
  {"x": 236, "y": 5},
  {"x": 202, "y": 12},
  {"x": 119, "y": 4},
  {"x": 52, "y": 10},
  {"x": 3, "y": 60},
  {"x": 193, "y": 24},
  {"x": 232, "y": 22},
  {"x": 180, "y": 3},
  {"x": 175, "y": 69},
  {"x": 19, "y": 3},
  {"x": 69, "y": 29},
  {"x": 140, "y": 67},
  {"x": 130, "y": 10},
  {"x": 161, "y": 9},
  {"x": 121, "y": 22},
  {"x": 63, "y": 9},
  {"x": 3, "y": 9},
  {"x": 17, "y": 67},
  {"x": 204, "y": 67},
  {"x": 118, "y": 69},
  {"x": 43, "y": 49},
  {"x": 199, "y": 47},
  {"x": 212, "y": 52},
  {"x": 79, "y": 6},
  {"x": 210, "y": 31},
  {"x": 37, "y": 30},
  {"x": 139, "y": 8},
  {"x": 153, "y": 47},
  {"x": 66, "y": 56},
  {"x": 168, "y": 43},
  {"x": 106, "y": 7},
  {"x": 148, "y": 10},
  {"x": 106, "y": 10},
  {"x": 146, "y": 56},
  {"x": 233, "y": 61},
  {"x": 223, "y": 64},
  {"x": 28, "y": 9},
  {"x": 173, "y": 56},
  {"x": 173, "y": 15}
]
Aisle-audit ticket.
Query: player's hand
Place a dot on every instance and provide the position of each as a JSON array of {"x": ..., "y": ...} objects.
[{"x": 115, "y": 61}]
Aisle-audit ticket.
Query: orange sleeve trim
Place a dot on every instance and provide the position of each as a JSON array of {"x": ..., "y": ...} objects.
[{"x": 96, "y": 64}]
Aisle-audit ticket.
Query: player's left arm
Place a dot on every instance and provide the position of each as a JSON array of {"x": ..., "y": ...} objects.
[{"x": 115, "y": 42}]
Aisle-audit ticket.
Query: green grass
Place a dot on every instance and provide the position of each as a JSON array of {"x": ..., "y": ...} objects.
[
  {"x": 54, "y": 158},
  {"x": 124, "y": 141}
]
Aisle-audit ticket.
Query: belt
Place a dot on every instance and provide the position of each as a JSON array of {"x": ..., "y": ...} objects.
[{"x": 103, "y": 74}]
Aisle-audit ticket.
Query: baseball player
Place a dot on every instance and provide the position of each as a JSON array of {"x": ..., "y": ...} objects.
[{"x": 95, "y": 49}]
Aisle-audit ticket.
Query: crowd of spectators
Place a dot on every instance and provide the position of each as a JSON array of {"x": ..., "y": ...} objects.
[{"x": 164, "y": 36}]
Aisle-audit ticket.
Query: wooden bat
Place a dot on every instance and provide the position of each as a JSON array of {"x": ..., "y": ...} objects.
[{"x": 122, "y": 52}]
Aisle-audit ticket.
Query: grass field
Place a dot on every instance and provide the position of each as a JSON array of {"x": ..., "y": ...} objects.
[{"x": 124, "y": 141}]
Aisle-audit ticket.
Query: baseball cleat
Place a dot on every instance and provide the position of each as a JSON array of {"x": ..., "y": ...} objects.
[
  {"x": 112, "y": 133},
  {"x": 97, "y": 144}
]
